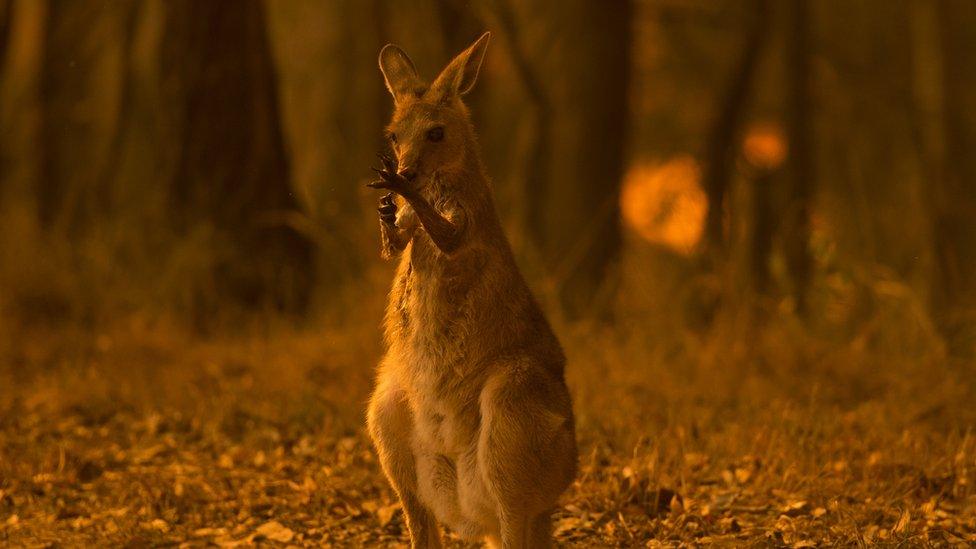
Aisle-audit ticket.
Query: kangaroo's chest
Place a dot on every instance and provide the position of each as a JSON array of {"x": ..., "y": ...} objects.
[
  {"x": 434, "y": 297},
  {"x": 432, "y": 306}
]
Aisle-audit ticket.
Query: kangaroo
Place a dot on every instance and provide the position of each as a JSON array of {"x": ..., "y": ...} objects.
[{"x": 471, "y": 417}]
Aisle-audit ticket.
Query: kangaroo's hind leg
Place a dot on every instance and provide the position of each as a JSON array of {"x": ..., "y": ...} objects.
[
  {"x": 390, "y": 423},
  {"x": 537, "y": 536},
  {"x": 526, "y": 453},
  {"x": 540, "y": 533}
]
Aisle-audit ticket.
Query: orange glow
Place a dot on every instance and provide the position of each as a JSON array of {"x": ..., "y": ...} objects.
[
  {"x": 665, "y": 204},
  {"x": 765, "y": 146}
]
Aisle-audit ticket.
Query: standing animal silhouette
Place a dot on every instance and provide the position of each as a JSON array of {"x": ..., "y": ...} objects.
[{"x": 471, "y": 416}]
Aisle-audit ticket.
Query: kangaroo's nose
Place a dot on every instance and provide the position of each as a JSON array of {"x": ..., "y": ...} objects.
[{"x": 408, "y": 174}]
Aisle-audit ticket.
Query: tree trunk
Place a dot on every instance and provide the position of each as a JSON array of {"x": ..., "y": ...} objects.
[
  {"x": 800, "y": 162},
  {"x": 6, "y": 15},
  {"x": 232, "y": 174},
  {"x": 763, "y": 229},
  {"x": 529, "y": 174},
  {"x": 954, "y": 218},
  {"x": 20, "y": 116},
  {"x": 721, "y": 147},
  {"x": 334, "y": 106},
  {"x": 580, "y": 237},
  {"x": 79, "y": 86}
]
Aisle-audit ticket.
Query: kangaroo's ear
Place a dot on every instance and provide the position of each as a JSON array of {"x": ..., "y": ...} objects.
[
  {"x": 399, "y": 73},
  {"x": 461, "y": 73}
]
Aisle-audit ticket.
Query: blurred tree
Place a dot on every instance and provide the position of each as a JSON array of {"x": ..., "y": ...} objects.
[
  {"x": 19, "y": 105},
  {"x": 582, "y": 57},
  {"x": 6, "y": 14},
  {"x": 333, "y": 105},
  {"x": 592, "y": 84},
  {"x": 720, "y": 148},
  {"x": 763, "y": 228},
  {"x": 954, "y": 215},
  {"x": 869, "y": 178},
  {"x": 79, "y": 86},
  {"x": 528, "y": 173},
  {"x": 232, "y": 172},
  {"x": 800, "y": 162},
  {"x": 460, "y": 24}
]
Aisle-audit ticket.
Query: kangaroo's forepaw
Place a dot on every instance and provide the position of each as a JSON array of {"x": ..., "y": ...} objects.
[
  {"x": 389, "y": 178},
  {"x": 387, "y": 209}
]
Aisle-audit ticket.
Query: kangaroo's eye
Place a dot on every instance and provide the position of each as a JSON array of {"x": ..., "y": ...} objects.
[{"x": 435, "y": 134}]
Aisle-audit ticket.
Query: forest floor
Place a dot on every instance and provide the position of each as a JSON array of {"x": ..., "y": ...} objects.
[{"x": 143, "y": 436}]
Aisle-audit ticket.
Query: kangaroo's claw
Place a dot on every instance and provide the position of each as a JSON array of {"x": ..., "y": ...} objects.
[
  {"x": 389, "y": 163},
  {"x": 387, "y": 209},
  {"x": 389, "y": 180}
]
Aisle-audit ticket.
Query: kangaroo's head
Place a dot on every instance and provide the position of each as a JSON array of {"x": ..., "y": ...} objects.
[{"x": 431, "y": 132}]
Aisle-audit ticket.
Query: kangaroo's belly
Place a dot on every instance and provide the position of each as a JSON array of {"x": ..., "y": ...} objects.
[
  {"x": 440, "y": 429},
  {"x": 445, "y": 446}
]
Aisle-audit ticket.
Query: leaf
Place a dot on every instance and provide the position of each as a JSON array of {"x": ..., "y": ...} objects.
[
  {"x": 677, "y": 507},
  {"x": 207, "y": 532},
  {"x": 565, "y": 524},
  {"x": 729, "y": 524},
  {"x": 664, "y": 500},
  {"x": 230, "y": 542},
  {"x": 146, "y": 455},
  {"x": 796, "y": 508},
  {"x": 226, "y": 461},
  {"x": 275, "y": 531},
  {"x": 742, "y": 475},
  {"x": 385, "y": 514},
  {"x": 903, "y": 522},
  {"x": 727, "y": 476}
]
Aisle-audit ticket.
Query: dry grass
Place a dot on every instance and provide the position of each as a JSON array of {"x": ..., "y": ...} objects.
[
  {"x": 142, "y": 435},
  {"x": 761, "y": 431}
]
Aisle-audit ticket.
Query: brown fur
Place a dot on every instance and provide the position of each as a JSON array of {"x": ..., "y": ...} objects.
[{"x": 471, "y": 416}]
